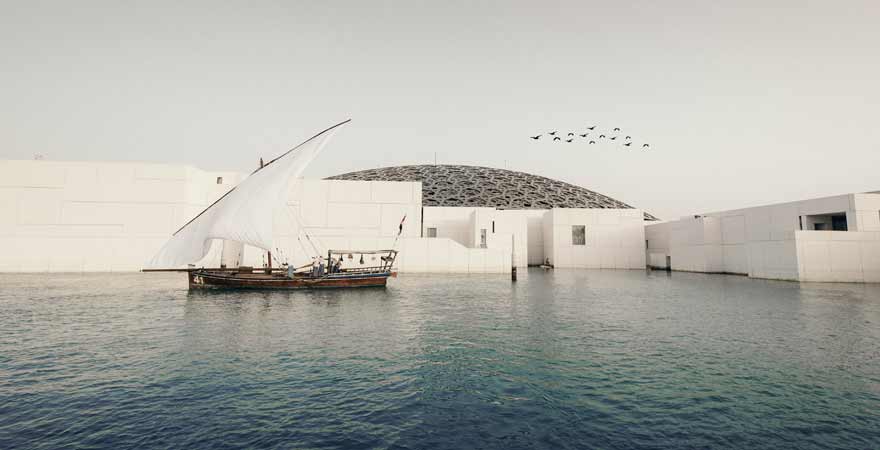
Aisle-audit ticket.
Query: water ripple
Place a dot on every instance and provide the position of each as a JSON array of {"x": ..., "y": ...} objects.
[{"x": 561, "y": 359}]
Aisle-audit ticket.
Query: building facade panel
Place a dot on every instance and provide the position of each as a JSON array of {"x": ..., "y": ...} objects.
[{"x": 811, "y": 240}]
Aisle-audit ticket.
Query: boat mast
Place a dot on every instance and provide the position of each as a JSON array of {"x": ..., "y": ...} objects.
[{"x": 268, "y": 252}]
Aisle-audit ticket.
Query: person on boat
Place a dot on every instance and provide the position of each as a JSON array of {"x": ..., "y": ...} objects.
[
  {"x": 321, "y": 267},
  {"x": 314, "y": 266},
  {"x": 290, "y": 271}
]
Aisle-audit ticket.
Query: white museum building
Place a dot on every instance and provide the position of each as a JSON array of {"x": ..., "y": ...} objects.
[
  {"x": 58, "y": 216},
  {"x": 824, "y": 239}
]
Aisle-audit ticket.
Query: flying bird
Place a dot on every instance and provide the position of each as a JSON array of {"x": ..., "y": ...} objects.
[
  {"x": 628, "y": 138},
  {"x": 627, "y": 144},
  {"x": 645, "y": 146},
  {"x": 592, "y": 142},
  {"x": 601, "y": 136},
  {"x": 569, "y": 140},
  {"x": 536, "y": 137},
  {"x": 591, "y": 128},
  {"x": 570, "y": 133},
  {"x": 617, "y": 129},
  {"x": 552, "y": 133},
  {"x": 613, "y": 138},
  {"x": 584, "y": 135},
  {"x": 557, "y": 138}
]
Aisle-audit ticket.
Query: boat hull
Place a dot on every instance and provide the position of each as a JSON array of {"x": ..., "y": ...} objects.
[{"x": 204, "y": 279}]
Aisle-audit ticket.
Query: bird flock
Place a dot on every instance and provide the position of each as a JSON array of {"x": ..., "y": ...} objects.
[{"x": 594, "y": 137}]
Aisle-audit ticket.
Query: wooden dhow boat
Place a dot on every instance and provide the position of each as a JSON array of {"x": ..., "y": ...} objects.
[
  {"x": 236, "y": 217},
  {"x": 244, "y": 277}
]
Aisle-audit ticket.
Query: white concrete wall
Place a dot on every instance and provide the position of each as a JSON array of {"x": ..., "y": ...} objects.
[
  {"x": 615, "y": 238},
  {"x": 91, "y": 216},
  {"x": 774, "y": 259},
  {"x": 657, "y": 261},
  {"x": 548, "y": 230},
  {"x": 842, "y": 256},
  {"x": 514, "y": 224},
  {"x": 695, "y": 244},
  {"x": 463, "y": 225},
  {"x": 867, "y": 212},
  {"x": 734, "y": 252},
  {"x": 658, "y": 236},
  {"x": 481, "y": 222},
  {"x": 762, "y": 242},
  {"x": 534, "y": 235},
  {"x": 445, "y": 255},
  {"x": 451, "y": 222},
  {"x": 506, "y": 230}
]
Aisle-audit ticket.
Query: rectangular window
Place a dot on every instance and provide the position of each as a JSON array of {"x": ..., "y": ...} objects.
[
  {"x": 431, "y": 232},
  {"x": 493, "y": 227},
  {"x": 219, "y": 180},
  {"x": 482, "y": 238},
  {"x": 578, "y": 235}
]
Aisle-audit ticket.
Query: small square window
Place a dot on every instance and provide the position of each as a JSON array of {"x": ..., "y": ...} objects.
[
  {"x": 219, "y": 180},
  {"x": 578, "y": 235},
  {"x": 431, "y": 232}
]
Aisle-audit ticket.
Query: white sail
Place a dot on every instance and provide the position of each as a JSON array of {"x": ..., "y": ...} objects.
[{"x": 245, "y": 213}]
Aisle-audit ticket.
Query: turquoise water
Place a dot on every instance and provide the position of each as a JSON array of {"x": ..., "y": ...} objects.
[{"x": 562, "y": 359}]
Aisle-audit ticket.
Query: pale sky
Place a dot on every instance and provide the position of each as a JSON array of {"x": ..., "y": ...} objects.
[{"x": 744, "y": 104}]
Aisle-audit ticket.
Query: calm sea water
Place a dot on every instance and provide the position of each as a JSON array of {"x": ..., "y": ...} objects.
[{"x": 562, "y": 359}]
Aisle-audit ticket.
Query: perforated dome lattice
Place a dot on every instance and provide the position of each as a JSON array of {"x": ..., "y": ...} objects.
[{"x": 450, "y": 185}]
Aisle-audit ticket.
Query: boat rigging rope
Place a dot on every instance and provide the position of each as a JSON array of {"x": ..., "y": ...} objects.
[
  {"x": 301, "y": 246},
  {"x": 399, "y": 232},
  {"x": 320, "y": 245},
  {"x": 280, "y": 253},
  {"x": 301, "y": 229}
]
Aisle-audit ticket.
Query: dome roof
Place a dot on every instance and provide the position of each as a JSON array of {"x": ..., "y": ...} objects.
[{"x": 449, "y": 185}]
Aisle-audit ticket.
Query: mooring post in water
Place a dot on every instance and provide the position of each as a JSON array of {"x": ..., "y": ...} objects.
[{"x": 512, "y": 258}]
